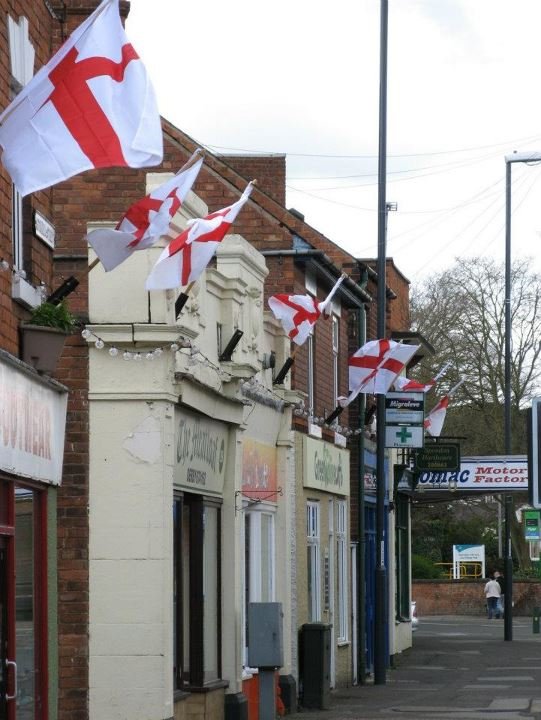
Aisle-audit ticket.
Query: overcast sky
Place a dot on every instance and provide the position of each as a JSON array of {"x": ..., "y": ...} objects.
[{"x": 301, "y": 77}]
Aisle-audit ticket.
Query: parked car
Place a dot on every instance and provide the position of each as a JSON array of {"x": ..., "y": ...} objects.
[{"x": 414, "y": 618}]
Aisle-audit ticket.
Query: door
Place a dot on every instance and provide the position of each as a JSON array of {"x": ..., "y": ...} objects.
[
  {"x": 8, "y": 669},
  {"x": 3, "y": 630},
  {"x": 370, "y": 585}
]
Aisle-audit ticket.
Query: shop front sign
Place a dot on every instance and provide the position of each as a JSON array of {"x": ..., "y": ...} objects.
[
  {"x": 32, "y": 426},
  {"x": 326, "y": 467},
  {"x": 201, "y": 448}
]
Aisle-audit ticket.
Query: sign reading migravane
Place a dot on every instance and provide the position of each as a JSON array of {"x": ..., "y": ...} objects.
[
  {"x": 326, "y": 467},
  {"x": 201, "y": 446}
]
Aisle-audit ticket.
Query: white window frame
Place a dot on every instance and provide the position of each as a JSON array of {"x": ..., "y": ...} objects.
[
  {"x": 311, "y": 377},
  {"x": 335, "y": 354},
  {"x": 342, "y": 545},
  {"x": 254, "y": 593},
  {"x": 313, "y": 541}
]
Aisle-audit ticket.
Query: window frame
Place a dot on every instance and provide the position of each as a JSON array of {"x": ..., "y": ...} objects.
[
  {"x": 194, "y": 676},
  {"x": 342, "y": 554},
  {"x": 313, "y": 542},
  {"x": 253, "y": 575},
  {"x": 402, "y": 558}
]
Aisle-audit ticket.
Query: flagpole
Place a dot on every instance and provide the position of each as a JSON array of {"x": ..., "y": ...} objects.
[
  {"x": 281, "y": 376},
  {"x": 381, "y": 604}
]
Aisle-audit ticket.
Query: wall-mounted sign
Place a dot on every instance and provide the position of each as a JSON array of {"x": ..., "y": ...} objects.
[
  {"x": 532, "y": 525},
  {"x": 370, "y": 465},
  {"x": 201, "y": 448},
  {"x": 404, "y": 418},
  {"x": 326, "y": 467},
  {"x": 485, "y": 474},
  {"x": 258, "y": 469},
  {"x": 404, "y": 407},
  {"x": 438, "y": 456},
  {"x": 404, "y": 436},
  {"x": 44, "y": 229},
  {"x": 32, "y": 427}
]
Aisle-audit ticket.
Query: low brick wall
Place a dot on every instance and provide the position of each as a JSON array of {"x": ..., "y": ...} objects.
[{"x": 466, "y": 597}]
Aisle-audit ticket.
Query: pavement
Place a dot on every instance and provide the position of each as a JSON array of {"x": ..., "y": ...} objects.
[{"x": 459, "y": 668}]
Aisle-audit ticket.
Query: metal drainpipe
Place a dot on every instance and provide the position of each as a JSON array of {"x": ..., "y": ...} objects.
[{"x": 361, "y": 536}]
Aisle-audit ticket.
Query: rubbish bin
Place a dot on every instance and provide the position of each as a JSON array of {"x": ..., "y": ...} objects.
[{"x": 316, "y": 666}]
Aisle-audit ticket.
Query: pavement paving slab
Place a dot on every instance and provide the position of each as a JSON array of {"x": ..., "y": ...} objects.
[{"x": 459, "y": 668}]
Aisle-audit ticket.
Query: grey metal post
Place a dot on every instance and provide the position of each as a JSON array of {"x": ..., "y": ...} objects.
[
  {"x": 381, "y": 617},
  {"x": 508, "y": 563},
  {"x": 508, "y": 548},
  {"x": 266, "y": 694}
]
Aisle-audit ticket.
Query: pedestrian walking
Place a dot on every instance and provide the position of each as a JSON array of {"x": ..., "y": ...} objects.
[{"x": 493, "y": 594}]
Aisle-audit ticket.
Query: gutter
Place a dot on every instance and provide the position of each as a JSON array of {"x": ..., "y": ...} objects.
[{"x": 328, "y": 268}]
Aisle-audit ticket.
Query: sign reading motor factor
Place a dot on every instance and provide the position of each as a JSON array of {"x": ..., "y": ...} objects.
[{"x": 492, "y": 474}]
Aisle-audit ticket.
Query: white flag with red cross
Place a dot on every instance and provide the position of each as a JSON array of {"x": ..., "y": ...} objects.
[
  {"x": 146, "y": 220},
  {"x": 404, "y": 384},
  {"x": 374, "y": 366},
  {"x": 91, "y": 106},
  {"x": 436, "y": 417},
  {"x": 188, "y": 254},
  {"x": 299, "y": 313}
]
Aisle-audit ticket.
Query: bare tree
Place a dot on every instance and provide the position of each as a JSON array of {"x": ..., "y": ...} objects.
[{"x": 462, "y": 313}]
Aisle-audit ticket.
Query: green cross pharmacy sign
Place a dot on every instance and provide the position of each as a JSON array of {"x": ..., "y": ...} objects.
[{"x": 404, "y": 417}]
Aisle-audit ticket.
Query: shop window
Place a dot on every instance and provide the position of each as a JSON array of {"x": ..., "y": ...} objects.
[
  {"x": 21, "y": 56},
  {"x": 259, "y": 561},
  {"x": 402, "y": 557},
  {"x": 342, "y": 565},
  {"x": 196, "y": 591},
  {"x": 23, "y": 593},
  {"x": 313, "y": 534}
]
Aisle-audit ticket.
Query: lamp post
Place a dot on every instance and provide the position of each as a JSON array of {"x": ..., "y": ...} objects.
[
  {"x": 380, "y": 611},
  {"x": 523, "y": 157}
]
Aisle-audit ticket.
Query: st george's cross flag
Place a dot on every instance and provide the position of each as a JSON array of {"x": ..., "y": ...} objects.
[
  {"x": 146, "y": 220},
  {"x": 436, "y": 417},
  {"x": 299, "y": 313},
  {"x": 404, "y": 384},
  {"x": 188, "y": 254},
  {"x": 91, "y": 106},
  {"x": 374, "y": 366}
]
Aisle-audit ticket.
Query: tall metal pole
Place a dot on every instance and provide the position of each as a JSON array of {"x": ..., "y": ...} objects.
[
  {"x": 508, "y": 563},
  {"x": 381, "y": 615},
  {"x": 524, "y": 157}
]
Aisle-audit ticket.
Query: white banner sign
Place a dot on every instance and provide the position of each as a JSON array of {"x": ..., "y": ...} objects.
[
  {"x": 32, "y": 426},
  {"x": 487, "y": 474}
]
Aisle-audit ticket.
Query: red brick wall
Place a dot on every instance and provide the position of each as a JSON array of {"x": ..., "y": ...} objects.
[
  {"x": 268, "y": 170},
  {"x": 456, "y": 597}
]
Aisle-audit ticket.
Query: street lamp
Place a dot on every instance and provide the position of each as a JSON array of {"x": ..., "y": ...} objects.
[
  {"x": 523, "y": 157},
  {"x": 380, "y": 610}
]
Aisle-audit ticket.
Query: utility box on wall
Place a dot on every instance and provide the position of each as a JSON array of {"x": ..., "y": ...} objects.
[{"x": 265, "y": 643}]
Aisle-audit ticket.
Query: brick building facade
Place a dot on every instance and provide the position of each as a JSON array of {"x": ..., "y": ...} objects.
[{"x": 298, "y": 258}]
